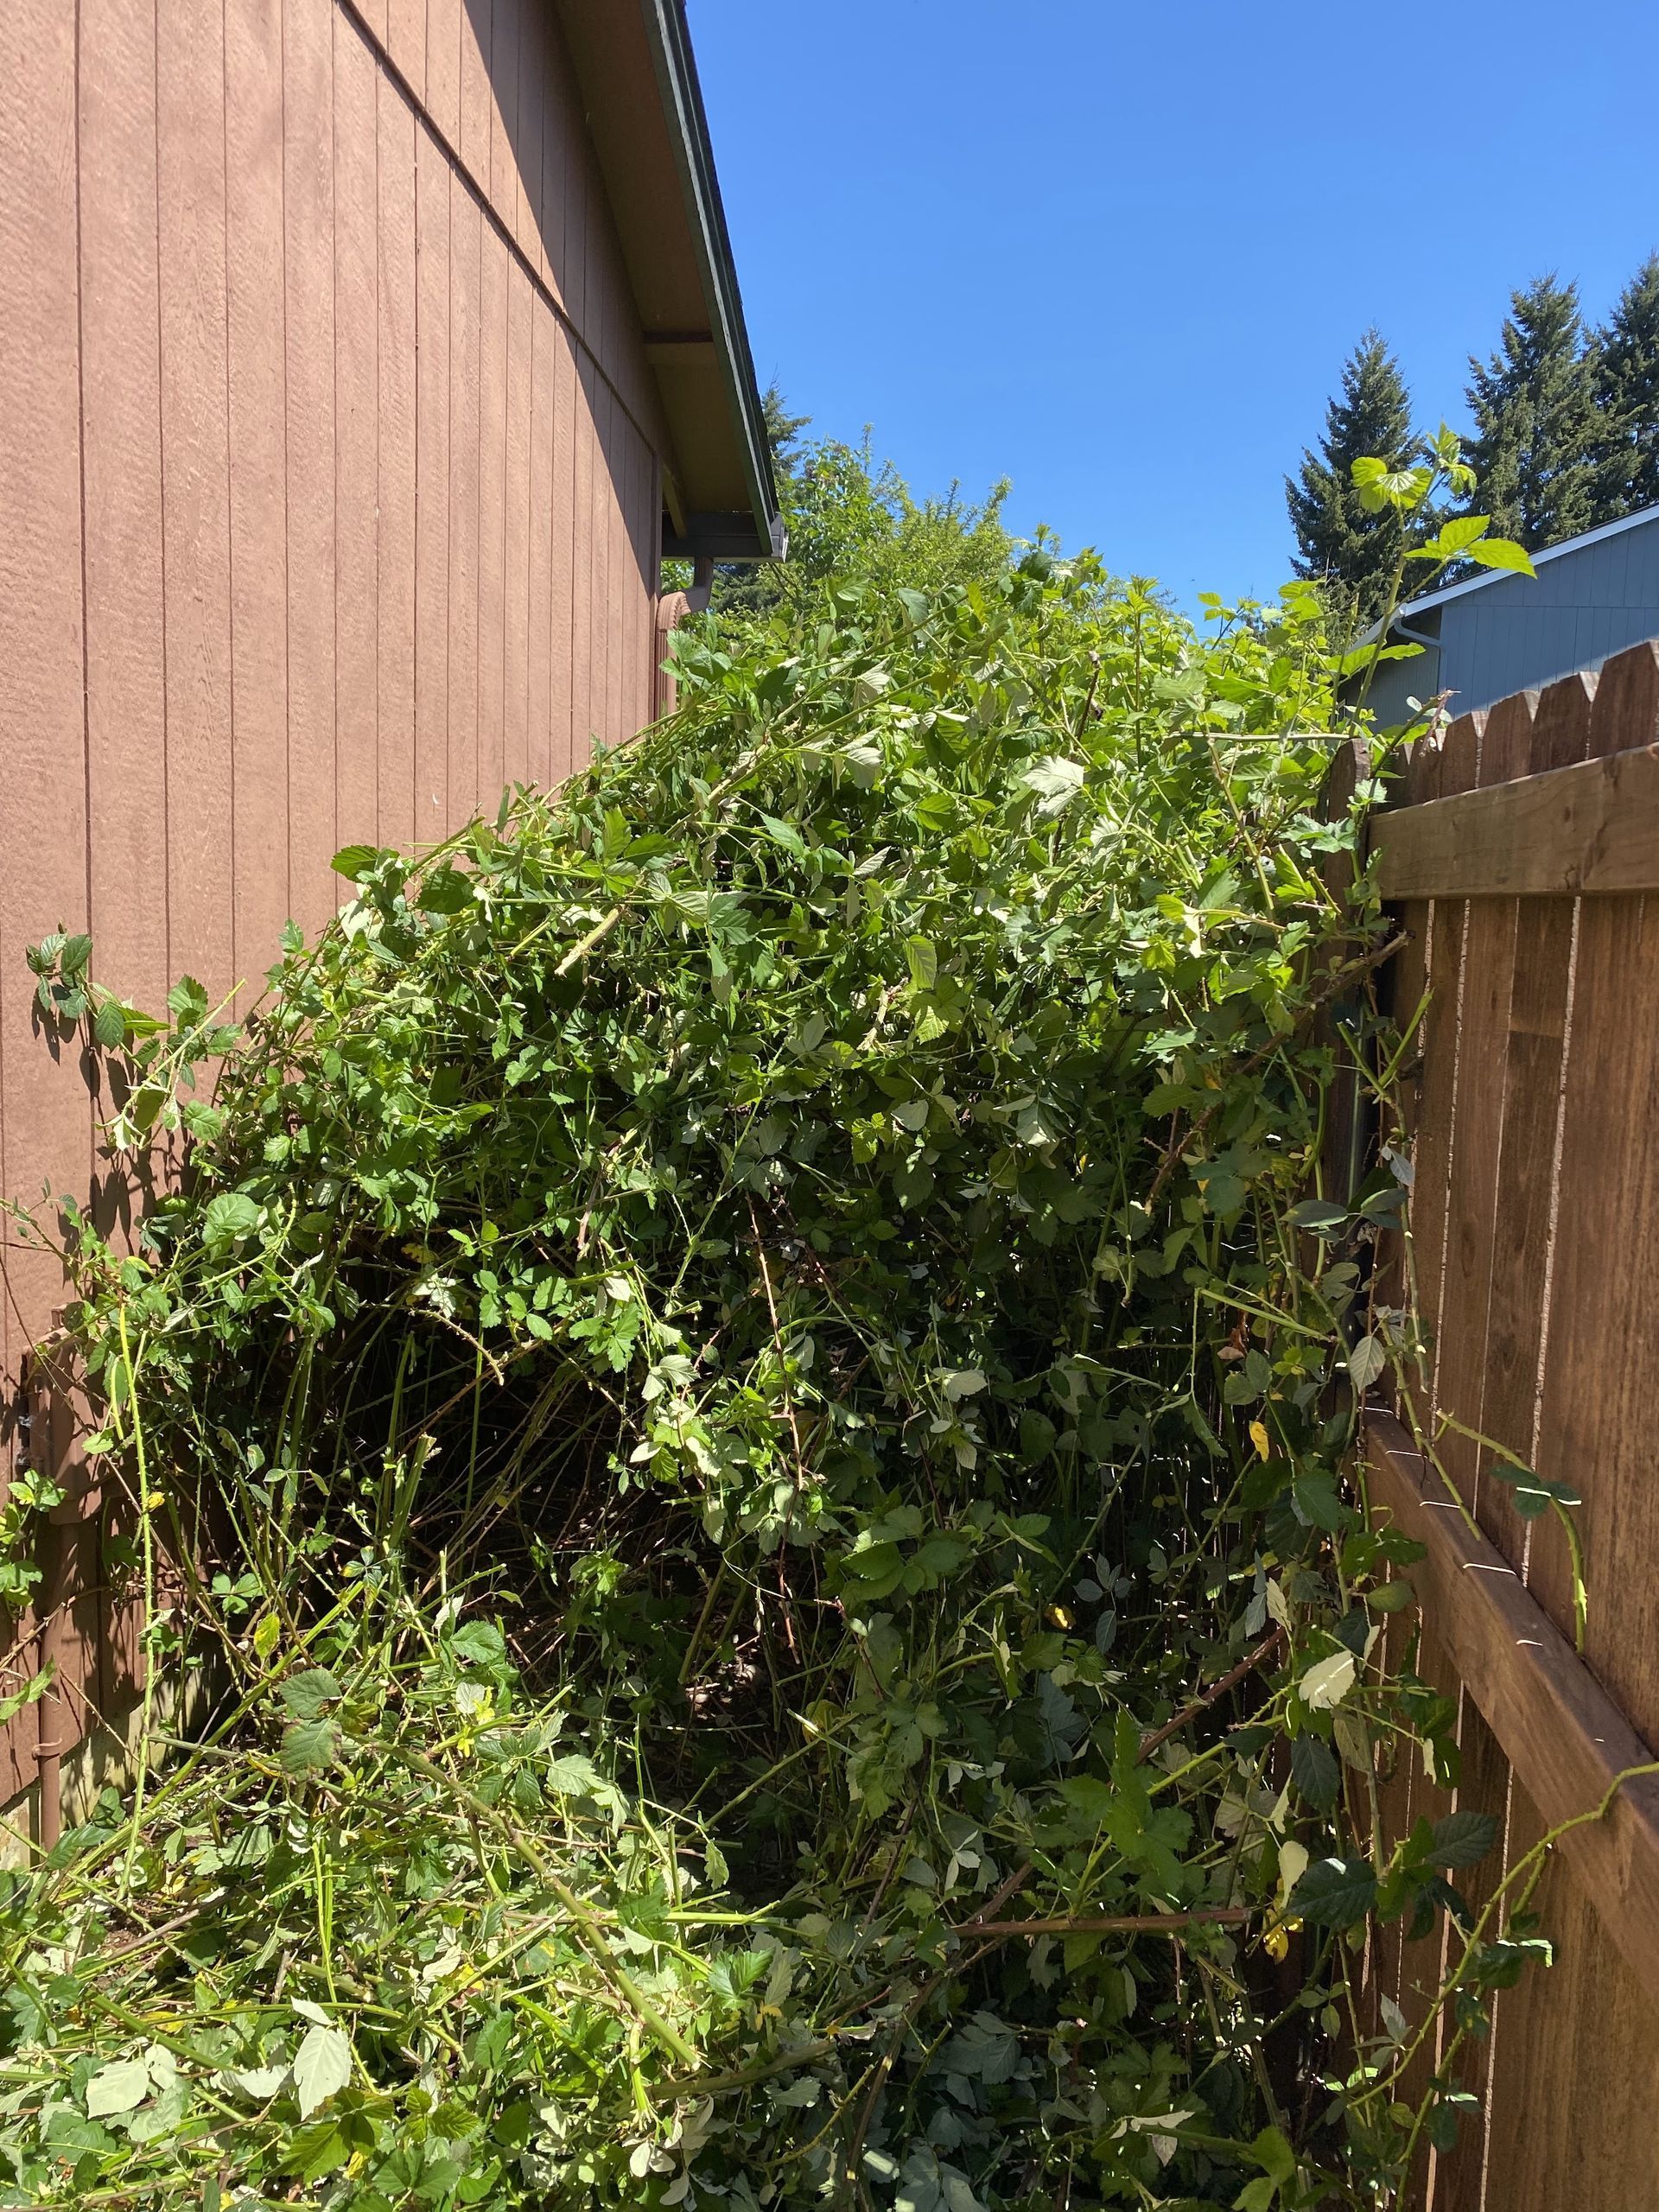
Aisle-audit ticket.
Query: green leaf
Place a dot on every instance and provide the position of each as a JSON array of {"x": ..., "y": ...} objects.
[
  {"x": 1317, "y": 1216},
  {"x": 110, "y": 1024},
  {"x": 354, "y": 862},
  {"x": 1502, "y": 553},
  {"x": 1314, "y": 1770},
  {"x": 1391, "y": 1597},
  {"x": 1327, "y": 1682},
  {"x": 230, "y": 1216},
  {"x": 1056, "y": 781},
  {"x": 445, "y": 890},
  {"x": 1367, "y": 1360},
  {"x": 1451, "y": 538},
  {"x": 1275, "y": 2156},
  {"x": 309, "y": 1747},
  {"x": 1462, "y": 1839},
  {"x": 120, "y": 2087},
  {"x": 1334, "y": 1892},
  {"x": 1381, "y": 487},
  {"x": 322, "y": 2065},
  {"x": 1318, "y": 1502},
  {"x": 305, "y": 1695}
]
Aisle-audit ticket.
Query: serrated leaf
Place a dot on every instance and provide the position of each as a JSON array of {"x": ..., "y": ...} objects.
[
  {"x": 229, "y": 1217},
  {"x": 354, "y": 862},
  {"x": 1461, "y": 1839},
  {"x": 322, "y": 2065},
  {"x": 1366, "y": 1361},
  {"x": 259, "y": 2083},
  {"x": 1056, "y": 781},
  {"x": 109, "y": 1025},
  {"x": 309, "y": 1747},
  {"x": 1334, "y": 1892},
  {"x": 1390, "y": 1597},
  {"x": 1502, "y": 553},
  {"x": 306, "y": 1695},
  {"x": 1458, "y": 535},
  {"x": 1275, "y": 2156},
  {"x": 122, "y": 2086},
  {"x": 446, "y": 891},
  {"x": 1313, "y": 1769},
  {"x": 1317, "y": 1215}
]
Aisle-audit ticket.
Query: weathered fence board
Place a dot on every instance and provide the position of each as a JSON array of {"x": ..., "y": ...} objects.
[
  {"x": 1591, "y": 827},
  {"x": 1520, "y": 860}
]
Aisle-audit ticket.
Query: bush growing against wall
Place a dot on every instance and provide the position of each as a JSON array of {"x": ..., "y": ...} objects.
[{"x": 755, "y": 1349}]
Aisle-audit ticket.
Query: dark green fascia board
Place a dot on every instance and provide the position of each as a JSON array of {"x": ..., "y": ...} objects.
[{"x": 760, "y": 536}]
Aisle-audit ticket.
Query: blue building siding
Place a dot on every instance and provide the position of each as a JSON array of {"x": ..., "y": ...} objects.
[{"x": 1514, "y": 633}]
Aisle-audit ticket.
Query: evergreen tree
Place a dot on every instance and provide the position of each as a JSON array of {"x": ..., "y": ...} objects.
[
  {"x": 1627, "y": 399},
  {"x": 1339, "y": 544},
  {"x": 1535, "y": 448}
]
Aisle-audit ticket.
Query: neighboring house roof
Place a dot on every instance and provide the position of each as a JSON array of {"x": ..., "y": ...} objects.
[
  {"x": 1498, "y": 632},
  {"x": 1640, "y": 520},
  {"x": 638, "y": 82}
]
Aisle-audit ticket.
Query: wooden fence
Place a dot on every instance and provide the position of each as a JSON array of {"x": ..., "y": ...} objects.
[{"x": 1523, "y": 864}]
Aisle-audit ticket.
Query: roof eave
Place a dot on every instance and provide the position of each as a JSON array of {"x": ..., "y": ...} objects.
[
  {"x": 761, "y": 536},
  {"x": 1428, "y": 599},
  {"x": 637, "y": 79}
]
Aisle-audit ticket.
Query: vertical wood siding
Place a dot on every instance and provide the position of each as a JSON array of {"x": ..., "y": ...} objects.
[{"x": 328, "y": 464}]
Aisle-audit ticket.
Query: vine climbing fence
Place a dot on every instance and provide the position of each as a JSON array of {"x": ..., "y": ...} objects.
[{"x": 1522, "y": 861}]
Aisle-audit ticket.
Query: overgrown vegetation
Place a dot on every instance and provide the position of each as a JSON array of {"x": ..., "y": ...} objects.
[
  {"x": 758, "y": 1357},
  {"x": 851, "y": 516}
]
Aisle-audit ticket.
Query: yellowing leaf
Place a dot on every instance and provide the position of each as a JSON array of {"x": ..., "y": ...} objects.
[{"x": 1260, "y": 1437}]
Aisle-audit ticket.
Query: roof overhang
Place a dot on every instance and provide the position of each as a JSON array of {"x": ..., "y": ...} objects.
[
  {"x": 638, "y": 81},
  {"x": 1412, "y": 610}
]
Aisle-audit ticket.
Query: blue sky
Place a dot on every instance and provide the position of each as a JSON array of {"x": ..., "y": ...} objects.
[{"x": 1119, "y": 254}]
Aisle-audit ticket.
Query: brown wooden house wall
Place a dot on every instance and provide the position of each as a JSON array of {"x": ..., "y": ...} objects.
[{"x": 329, "y": 490}]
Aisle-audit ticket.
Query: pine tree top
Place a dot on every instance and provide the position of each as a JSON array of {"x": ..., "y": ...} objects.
[
  {"x": 1627, "y": 396},
  {"x": 1534, "y": 402},
  {"x": 1337, "y": 543}
]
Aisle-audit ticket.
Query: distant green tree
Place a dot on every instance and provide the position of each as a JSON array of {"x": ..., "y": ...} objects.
[
  {"x": 1534, "y": 403},
  {"x": 851, "y": 516},
  {"x": 1626, "y": 373},
  {"x": 1351, "y": 553}
]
